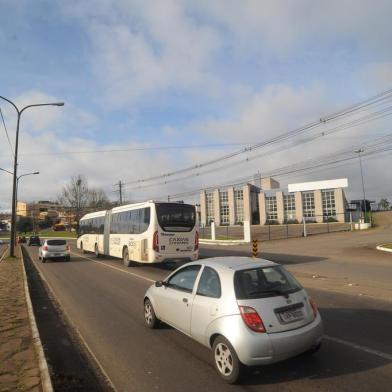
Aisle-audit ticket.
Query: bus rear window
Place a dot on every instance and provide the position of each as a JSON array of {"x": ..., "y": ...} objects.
[{"x": 176, "y": 217}]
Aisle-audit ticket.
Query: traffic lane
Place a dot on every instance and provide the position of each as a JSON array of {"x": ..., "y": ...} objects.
[
  {"x": 359, "y": 320},
  {"x": 108, "y": 312}
]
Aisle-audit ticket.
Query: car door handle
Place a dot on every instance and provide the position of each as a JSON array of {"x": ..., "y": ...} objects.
[{"x": 185, "y": 300}]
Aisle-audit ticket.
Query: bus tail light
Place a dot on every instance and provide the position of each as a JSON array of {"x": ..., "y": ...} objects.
[
  {"x": 252, "y": 319},
  {"x": 155, "y": 244},
  {"x": 197, "y": 240}
]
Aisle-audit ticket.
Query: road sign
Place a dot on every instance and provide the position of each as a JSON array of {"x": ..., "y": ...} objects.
[{"x": 254, "y": 248}]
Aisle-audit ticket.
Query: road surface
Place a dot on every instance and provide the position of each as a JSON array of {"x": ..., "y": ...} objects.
[{"x": 105, "y": 302}]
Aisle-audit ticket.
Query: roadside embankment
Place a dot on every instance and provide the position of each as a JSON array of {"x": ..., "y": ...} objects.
[{"x": 19, "y": 369}]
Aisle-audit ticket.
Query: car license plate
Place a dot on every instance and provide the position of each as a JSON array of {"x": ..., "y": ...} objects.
[{"x": 291, "y": 315}]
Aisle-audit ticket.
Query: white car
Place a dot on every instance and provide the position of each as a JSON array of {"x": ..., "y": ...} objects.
[
  {"x": 248, "y": 311},
  {"x": 54, "y": 249}
]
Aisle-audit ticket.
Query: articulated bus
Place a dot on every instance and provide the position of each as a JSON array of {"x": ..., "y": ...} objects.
[{"x": 150, "y": 232}]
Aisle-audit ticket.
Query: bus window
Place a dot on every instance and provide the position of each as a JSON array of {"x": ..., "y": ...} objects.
[{"x": 176, "y": 217}]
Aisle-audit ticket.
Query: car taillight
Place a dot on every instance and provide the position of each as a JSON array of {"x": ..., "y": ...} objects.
[
  {"x": 45, "y": 247},
  {"x": 155, "y": 244},
  {"x": 252, "y": 319},
  {"x": 314, "y": 306},
  {"x": 197, "y": 240}
]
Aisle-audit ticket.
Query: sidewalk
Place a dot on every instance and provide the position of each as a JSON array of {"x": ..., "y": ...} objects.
[{"x": 19, "y": 369}]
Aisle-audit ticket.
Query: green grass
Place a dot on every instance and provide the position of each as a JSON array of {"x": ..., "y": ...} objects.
[
  {"x": 51, "y": 233},
  {"x": 389, "y": 246}
]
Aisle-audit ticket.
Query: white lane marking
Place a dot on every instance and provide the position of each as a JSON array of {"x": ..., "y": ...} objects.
[
  {"x": 116, "y": 268},
  {"x": 359, "y": 347}
]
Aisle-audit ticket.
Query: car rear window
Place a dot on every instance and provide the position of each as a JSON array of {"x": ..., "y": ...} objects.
[
  {"x": 56, "y": 242},
  {"x": 264, "y": 282}
]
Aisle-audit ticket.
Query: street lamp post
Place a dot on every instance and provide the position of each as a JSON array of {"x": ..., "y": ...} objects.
[
  {"x": 17, "y": 185},
  {"x": 17, "y": 182},
  {"x": 19, "y": 113},
  {"x": 359, "y": 151}
]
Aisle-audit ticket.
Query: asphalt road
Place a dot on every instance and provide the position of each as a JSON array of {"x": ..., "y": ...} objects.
[{"x": 105, "y": 301}]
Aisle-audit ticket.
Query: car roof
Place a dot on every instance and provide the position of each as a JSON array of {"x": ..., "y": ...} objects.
[{"x": 234, "y": 262}]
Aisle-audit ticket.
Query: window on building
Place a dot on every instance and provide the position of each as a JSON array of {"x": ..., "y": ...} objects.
[
  {"x": 239, "y": 205},
  {"x": 329, "y": 207},
  {"x": 289, "y": 208},
  {"x": 224, "y": 207},
  {"x": 308, "y": 204},
  {"x": 210, "y": 207},
  {"x": 271, "y": 209}
]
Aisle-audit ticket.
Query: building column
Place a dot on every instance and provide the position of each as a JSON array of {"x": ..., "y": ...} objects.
[
  {"x": 216, "y": 207},
  {"x": 280, "y": 206},
  {"x": 299, "y": 212},
  {"x": 247, "y": 205},
  {"x": 230, "y": 195},
  {"x": 318, "y": 206},
  {"x": 203, "y": 209},
  {"x": 262, "y": 211},
  {"x": 339, "y": 205}
]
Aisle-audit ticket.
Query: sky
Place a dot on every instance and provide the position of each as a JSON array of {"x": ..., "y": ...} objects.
[{"x": 205, "y": 78}]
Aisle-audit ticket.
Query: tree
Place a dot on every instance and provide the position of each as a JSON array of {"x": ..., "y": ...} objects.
[
  {"x": 24, "y": 224},
  {"x": 79, "y": 199},
  {"x": 383, "y": 204},
  {"x": 98, "y": 199}
]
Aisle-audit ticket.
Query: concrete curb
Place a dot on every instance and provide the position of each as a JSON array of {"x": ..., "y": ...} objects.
[
  {"x": 381, "y": 247},
  {"x": 43, "y": 365},
  {"x": 75, "y": 328},
  {"x": 223, "y": 242}
]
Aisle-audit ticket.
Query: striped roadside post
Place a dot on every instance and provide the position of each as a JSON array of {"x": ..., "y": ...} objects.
[{"x": 254, "y": 248}]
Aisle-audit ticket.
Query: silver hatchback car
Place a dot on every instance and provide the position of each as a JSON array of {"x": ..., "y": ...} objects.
[
  {"x": 54, "y": 249},
  {"x": 248, "y": 311}
]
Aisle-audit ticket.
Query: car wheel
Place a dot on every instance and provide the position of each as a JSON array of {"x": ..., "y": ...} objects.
[
  {"x": 127, "y": 262},
  {"x": 68, "y": 258},
  {"x": 43, "y": 259},
  {"x": 226, "y": 361},
  {"x": 81, "y": 248},
  {"x": 96, "y": 251},
  {"x": 149, "y": 315}
]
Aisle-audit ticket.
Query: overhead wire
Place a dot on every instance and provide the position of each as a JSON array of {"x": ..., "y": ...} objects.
[
  {"x": 360, "y": 121},
  {"x": 376, "y": 100},
  {"x": 6, "y": 132}
]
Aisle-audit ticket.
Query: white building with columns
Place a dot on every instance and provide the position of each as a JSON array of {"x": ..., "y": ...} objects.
[{"x": 318, "y": 202}]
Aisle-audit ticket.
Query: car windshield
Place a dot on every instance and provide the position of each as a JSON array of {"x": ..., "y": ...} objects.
[
  {"x": 56, "y": 242},
  {"x": 176, "y": 216},
  {"x": 264, "y": 282}
]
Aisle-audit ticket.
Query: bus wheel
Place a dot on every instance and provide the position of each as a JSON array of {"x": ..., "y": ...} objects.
[
  {"x": 127, "y": 262},
  {"x": 96, "y": 251}
]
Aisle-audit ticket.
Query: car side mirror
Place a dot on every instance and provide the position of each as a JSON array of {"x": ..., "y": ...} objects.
[{"x": 160, "y": 283}]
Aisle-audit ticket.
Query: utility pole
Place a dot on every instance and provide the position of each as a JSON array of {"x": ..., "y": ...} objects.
[{"x": 120, "y": 187}]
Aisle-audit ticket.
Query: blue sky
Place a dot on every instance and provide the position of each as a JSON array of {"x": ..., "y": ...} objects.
[{"x": 149, "y": 73}]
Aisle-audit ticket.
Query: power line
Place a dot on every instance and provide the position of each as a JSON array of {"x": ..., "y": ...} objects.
[
  {"x": 375, "y": 100},
  {"x": 290, "y": 169},
  {"x": 151, "y": 148},
  {"x": 6, "y": 132},
  {"x": 360, "y": 121}
]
